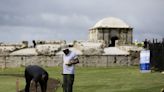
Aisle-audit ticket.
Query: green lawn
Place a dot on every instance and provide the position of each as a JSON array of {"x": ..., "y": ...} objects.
[{"x": 90, "y": 79}]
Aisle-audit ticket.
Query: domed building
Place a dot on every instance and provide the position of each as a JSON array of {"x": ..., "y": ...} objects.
[{"x": 113, "y": 31}]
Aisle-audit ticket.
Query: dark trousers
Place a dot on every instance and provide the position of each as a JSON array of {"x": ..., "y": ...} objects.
[
  {"x": 43, "y": 84},
  {"x": 68, "y": 80}
]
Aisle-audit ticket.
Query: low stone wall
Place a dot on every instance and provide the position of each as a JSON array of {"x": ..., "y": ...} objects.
[
  {"x": 85, "y": 60},
  {"x": 103, "y": 60},
  {"x": 17, "y": 61}
]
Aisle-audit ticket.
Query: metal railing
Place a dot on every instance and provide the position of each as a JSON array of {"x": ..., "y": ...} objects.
[{"x": 156, "y": 54}]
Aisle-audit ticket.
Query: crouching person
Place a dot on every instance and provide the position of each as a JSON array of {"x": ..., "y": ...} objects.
[{"x": 35, "y": 74}]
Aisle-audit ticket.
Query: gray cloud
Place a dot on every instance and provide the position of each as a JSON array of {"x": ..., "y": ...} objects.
[{"x": 71, "y": 19}]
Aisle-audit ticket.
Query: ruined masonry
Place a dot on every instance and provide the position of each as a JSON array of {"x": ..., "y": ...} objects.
[{"x": 109, "y": 44}]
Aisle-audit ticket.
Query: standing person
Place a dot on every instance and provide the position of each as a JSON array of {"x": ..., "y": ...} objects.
[
  {"x": 35, "y": 74},
  {"x": 69, "y": 61},
  {"x": 34, "y": 43}
]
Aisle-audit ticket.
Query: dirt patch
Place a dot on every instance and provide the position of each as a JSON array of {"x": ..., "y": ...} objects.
[{"x": 52, "y": 85}]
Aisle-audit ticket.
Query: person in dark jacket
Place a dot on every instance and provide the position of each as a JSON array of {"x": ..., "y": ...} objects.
[{"x": 35, "y": 74}]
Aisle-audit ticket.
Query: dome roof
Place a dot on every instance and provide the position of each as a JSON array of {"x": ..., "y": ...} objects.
[{"x": 111, "y": 22}]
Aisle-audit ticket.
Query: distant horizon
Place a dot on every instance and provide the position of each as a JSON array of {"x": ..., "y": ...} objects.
[{"x": 67, "y": 41}]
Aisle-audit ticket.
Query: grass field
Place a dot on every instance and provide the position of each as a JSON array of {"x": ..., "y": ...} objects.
[{"x": 90, "y": 79}]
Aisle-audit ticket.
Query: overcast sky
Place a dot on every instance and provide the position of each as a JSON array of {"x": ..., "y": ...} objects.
[{"x": 70, "y": 19}]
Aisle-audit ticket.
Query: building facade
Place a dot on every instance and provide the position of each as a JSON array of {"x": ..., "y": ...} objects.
[{"x": 113, "y": 31}]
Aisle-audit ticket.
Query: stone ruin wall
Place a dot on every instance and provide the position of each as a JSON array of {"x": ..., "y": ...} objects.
[{"x": 85, "y": 61}]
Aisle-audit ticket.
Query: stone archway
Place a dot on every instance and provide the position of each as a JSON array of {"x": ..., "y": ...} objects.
[{"x": 113, "y": 41}]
